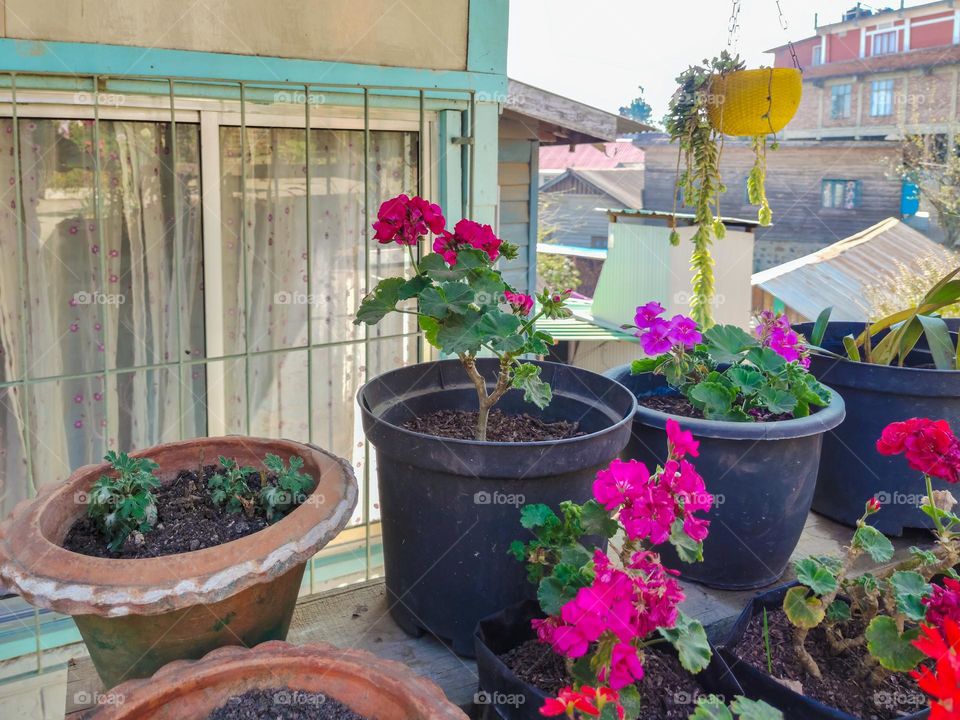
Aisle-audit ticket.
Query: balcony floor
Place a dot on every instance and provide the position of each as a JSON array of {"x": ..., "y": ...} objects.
[{"x": 358, "y": 617}]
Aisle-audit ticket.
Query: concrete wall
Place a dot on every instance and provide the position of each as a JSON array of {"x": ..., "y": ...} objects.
[{"x": 414, "y": 33}]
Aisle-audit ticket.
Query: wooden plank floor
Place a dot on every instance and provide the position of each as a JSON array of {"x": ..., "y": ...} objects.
[{"x": 358, "y": 617}]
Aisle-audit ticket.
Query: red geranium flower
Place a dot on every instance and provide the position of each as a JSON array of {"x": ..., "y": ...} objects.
[
  {"x": 942, "y": 683},
  {"x": 405, "y": 220},
  {"x": 928, "y": 445},
  {"x": 467, "y": 233}
]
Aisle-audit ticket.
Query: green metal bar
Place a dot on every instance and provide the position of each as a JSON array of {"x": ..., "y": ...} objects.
[
  {"x": 472, "y": 149},
  {"x": 309, "y": 199},
  {"x": 243, "y": 242},
  {"x": 192, "y": 362},
  {"x": 178, "y": 259},
  {"x": 102, "y": 256},
  {"x": 22, "y": 280},
  {"x": 366, "y": 328},
  {"x": 24, "y": 309}
]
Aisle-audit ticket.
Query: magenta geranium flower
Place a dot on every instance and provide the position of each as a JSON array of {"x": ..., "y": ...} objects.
[
  {"x": 681, "y": 441},
  {"x": 521, "y": 304},
  {"x": 646, "y": 314},
  {"x": 655, "y": 340},
  {"x": 467, "y": 233},
  {"x": 683, "y": 331},
  {"x": 405, "y": 220}
]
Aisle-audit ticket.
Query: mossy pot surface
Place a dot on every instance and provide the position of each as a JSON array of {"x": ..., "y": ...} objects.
[{"x": 137, "y": 615}]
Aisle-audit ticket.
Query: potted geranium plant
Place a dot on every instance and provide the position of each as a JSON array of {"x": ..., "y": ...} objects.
[
  {"x": 903, "y": 364},
  {"x": 279, "y": 680},
  {"x": 600, "y": 622},
  {"x": 461, "y": 442},
  {"x": 842, "y": 645},
  {"x": 169, "y": 552},
  {"x": 717, "y": 98},
  {"x": 759, "y": 416}
]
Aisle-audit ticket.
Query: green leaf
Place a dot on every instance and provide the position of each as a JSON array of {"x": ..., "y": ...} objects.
[
  {"x": 924, "y": 557},
  {"x": 850, "y": 345},
  {"x": 746, "y": 379},
  {"x": 468, "y": 259},
  {"x": 526, "y": 377},
  {"x": 461, "y": 333},
  {"x": 688, "y": 549},
  {"x": 820, "y": 327},
  {"x": 596, "y": 520},
  {"x": 726, "y": 343},
  {"x": 414, "y": 286},
  {"x": 766, "y": 359},
  {"x": 553, "y": 595},
  {"x": 430, "y": 327},
  {"x": 518, "y": 549},
  {"x": 838, "y": 611},
  {"x": 909, "y": 589},
  {"x": 754, "y": 710},
  {"x": 488, "y": 287},
  {"x": 874, "y": 543},
  {"x": 713, "y": 397},
  {"x": 893, "y": 650},
  {"x": 382, "y": 300},
  {"x": 815, "y": 576},
  {"x": 630, "y": 701},
  {"x": 711, "y": 708},
  {"x": 940, "y": 342},
  {"x": 537, "y": 515},
  {"x": 645, "y": 365},
  {"x": 777, "y": 401},
  {"x": 802, "y": 610},
  {"x": 575, "y": 555},
  {"x": 583, "y": 672},
  {"x": 690, "y": 641},
  {"x": 497, "y": 324}
]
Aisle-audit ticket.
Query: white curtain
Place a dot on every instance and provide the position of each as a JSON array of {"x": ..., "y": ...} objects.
[{"x": 97, "y": 298}]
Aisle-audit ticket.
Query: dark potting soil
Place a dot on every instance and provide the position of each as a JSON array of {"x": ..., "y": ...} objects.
[
  {"x": 667, "y": 691},
  {"x": 187, "y": 520},
  {"x": 462, "y": 425},
  {"x": 679, "y": 405},
  {"x": 896, "y": 696},
  {"x": 283, "y": 704}
]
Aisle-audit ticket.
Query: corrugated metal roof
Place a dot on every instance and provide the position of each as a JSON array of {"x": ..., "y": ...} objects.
[
  {"x": 837, "y": 275},
  {"x": 582, "y": 325},
  {"x": 685, "y": 217},
  {"x": 572, "y": 250},
  {"x": 624, "y": 185}
]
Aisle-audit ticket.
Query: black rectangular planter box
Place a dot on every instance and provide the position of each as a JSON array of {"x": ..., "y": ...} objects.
[{"x": 758, "y": 685}]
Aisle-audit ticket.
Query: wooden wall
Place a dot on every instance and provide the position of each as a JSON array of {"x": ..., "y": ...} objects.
[
  {"x": 517, "y": 169},
  {"x": 794, "y": 175}
]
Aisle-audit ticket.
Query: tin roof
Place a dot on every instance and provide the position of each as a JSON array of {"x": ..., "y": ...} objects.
[
  {"x": 837, "y": 275},
  {"x": 599, "y": 156}
]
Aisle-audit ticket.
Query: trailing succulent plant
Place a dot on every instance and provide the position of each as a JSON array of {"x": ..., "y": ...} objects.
[{"x": 699, "y": 181}]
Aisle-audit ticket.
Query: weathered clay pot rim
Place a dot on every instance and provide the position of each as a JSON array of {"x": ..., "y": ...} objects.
[
  {"x": 185, "y": 677},
  {"x": 50, "y": 576}
]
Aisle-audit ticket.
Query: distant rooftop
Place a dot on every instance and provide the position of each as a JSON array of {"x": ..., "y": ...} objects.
[
  {"x": 601, "y": 156},
  {"x": 837, "y": 275}
]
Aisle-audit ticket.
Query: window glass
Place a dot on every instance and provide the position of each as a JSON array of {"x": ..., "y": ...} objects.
[
  {"x": 840, "y": 101},
  {"x": 881, "y": 98}
]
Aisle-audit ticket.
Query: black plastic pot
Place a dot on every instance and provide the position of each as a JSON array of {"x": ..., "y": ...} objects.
[
  {"x": 762, "y": 476},
  {"x": 514, "y": 699},
  {"x": 451, "y": 508},
  {"x": 851, "y": 469},
  {"x": 759, "y": 685}
]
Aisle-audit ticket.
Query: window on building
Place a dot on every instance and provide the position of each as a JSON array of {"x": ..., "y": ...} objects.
[
  {"x": 816, "y": 55},
  {"x": 884, "y": 43},
  {"x": 881, "y": 98},
  {"x": 840, "y": 96},
  {"x": 840, "y": 194}
]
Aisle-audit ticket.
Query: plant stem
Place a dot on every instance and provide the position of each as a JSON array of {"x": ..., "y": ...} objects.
[
  {"x": 936, "y": 515},
  {"x": 486, "y": 401}
]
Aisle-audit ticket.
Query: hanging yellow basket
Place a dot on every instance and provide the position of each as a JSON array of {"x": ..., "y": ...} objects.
[{"x": 754, "y": 102}]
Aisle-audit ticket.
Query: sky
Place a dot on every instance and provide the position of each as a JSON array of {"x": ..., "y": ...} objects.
[{"x": 599, "y": 51}]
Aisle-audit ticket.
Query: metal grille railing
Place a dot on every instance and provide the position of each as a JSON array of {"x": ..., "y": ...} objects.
[{"x": 20, "y": 94}]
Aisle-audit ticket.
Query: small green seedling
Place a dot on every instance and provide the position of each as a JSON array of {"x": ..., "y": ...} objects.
[
  {"x": 229, "y": 487},
  {"x": 125, "y": 503},
  {"x": 291, "y": 488}
]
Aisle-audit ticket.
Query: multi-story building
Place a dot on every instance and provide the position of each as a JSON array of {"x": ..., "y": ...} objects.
[{"x": 869, "y": 81}]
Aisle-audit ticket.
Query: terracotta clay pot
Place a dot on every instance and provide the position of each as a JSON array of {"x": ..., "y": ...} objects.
[
  {"x": 137, "y": 615},
  {"x": 367, "y": 684}
]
